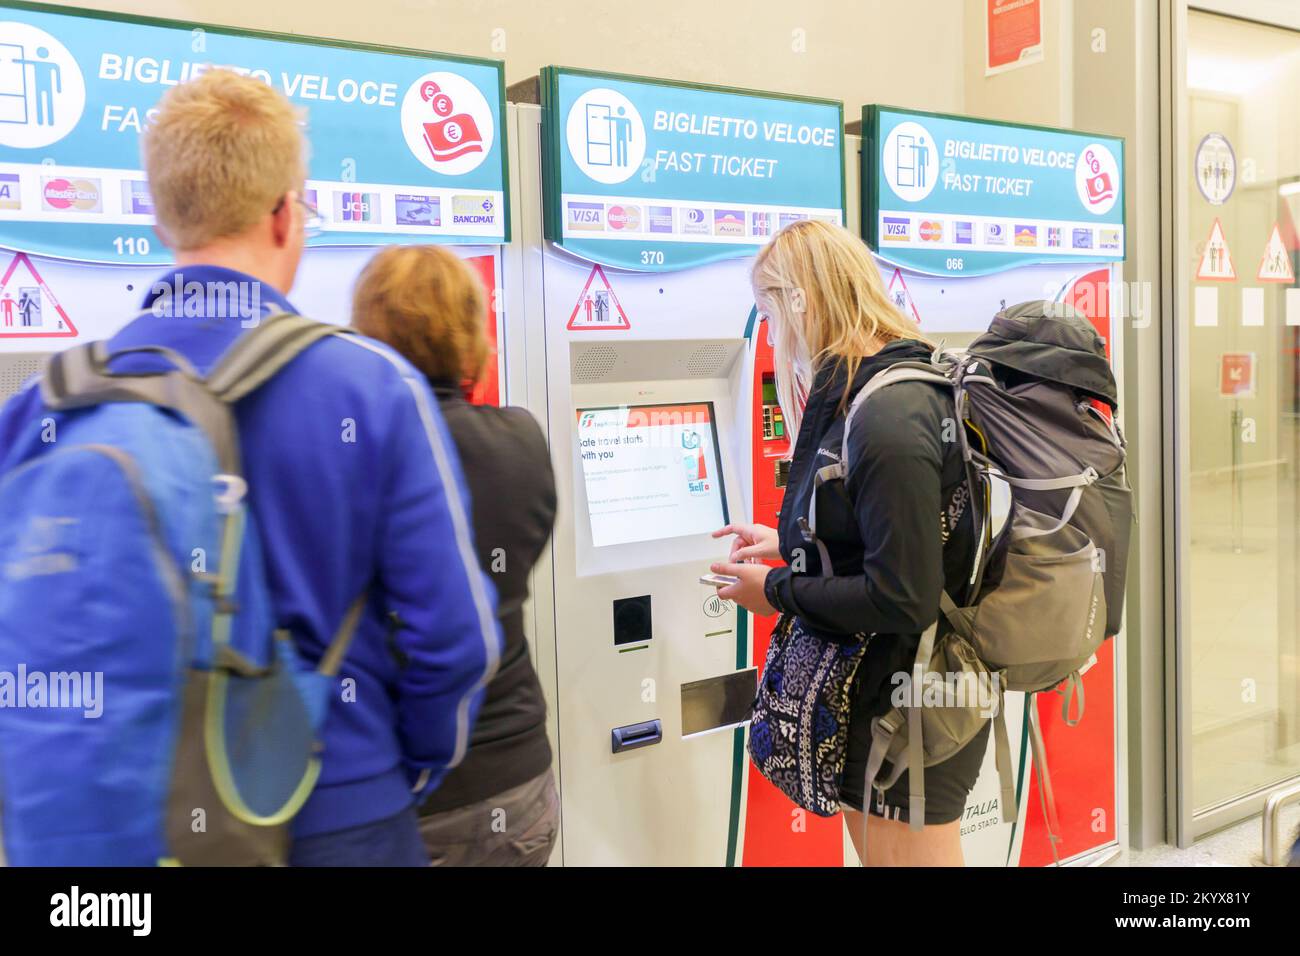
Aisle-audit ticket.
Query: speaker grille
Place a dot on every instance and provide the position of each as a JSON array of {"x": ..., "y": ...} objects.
[
  {"x": 15, "y": 370},
  {"x": 594, "y": 363},
  {"x": 706, "y": 361}
]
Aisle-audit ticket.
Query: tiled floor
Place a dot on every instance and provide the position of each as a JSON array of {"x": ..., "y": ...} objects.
[{"x": 1239, "y": 845}]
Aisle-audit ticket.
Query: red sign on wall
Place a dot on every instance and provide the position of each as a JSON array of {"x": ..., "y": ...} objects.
[
  {"x": 1014, "y": 33},
  {"x": 1237, "y": 375}
]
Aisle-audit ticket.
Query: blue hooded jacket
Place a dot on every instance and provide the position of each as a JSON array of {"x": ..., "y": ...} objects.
[{"x": 355, "y": 485}]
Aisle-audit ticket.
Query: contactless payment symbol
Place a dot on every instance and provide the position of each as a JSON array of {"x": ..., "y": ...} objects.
[
  {"x": 42, "y": 91},
  {"x": 447, "y": 123},
  {"x": 1096, "y": 175},
  {"x": 605, "y": 136},
  {"x": 911, "y": 161}
]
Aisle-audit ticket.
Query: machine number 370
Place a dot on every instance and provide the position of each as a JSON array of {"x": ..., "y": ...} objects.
[{"x": 652, "y": 257}]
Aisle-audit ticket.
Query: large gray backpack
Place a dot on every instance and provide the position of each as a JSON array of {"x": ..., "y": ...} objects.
[{"x": 1049, "y": 569}]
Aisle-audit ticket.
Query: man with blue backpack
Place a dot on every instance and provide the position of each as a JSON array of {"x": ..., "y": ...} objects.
[{"x": 253, "y": 526}]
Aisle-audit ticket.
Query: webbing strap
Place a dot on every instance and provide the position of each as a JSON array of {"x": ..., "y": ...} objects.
[
  {"x": 915, "y": 745},
  {"x": 1046, "y": 798},
  {"x": 338, "y": 648},
  {"x": 1074, "y": 686},
  {"x": 258, "y": 355},
  {"x": 1002, "y": 749},
  {"x": 79, "y": 378},
  {"x": 882, "y": 735}
]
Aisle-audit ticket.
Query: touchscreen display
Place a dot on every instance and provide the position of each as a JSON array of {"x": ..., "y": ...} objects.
[{"x": 651, "y": 472}]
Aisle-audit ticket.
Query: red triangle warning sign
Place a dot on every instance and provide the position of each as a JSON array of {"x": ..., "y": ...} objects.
[
  {"x": 901, "y": 297},
  {"x": 1216, "y": 260},
  {"x": 28, "y": 309},
  {"x": 597, "y": 306},
  {"x": 1275, "y": 266}
]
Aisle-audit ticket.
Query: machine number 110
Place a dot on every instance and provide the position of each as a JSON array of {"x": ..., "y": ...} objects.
[{"x": 132, "y": 245}]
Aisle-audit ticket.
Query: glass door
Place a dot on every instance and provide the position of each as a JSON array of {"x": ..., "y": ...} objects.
[{"x": 1236, "y": 331}]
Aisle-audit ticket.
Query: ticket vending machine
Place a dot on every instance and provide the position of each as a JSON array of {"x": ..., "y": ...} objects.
[
  {"x": 967, "y": 216},
  {"x": 647, "y": 362},
  {"x": 77, "y": 245}
]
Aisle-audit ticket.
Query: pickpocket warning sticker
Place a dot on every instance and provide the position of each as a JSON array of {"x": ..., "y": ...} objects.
[
  {"x": 597, "y": 306},
  {"x": 28, "y": 309}
]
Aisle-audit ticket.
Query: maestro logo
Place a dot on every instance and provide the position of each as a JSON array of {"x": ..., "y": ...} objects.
[
  {"x": 42, "y": 91},
  {"x": 911, "y": 161},
  {"x": 605, "y": 136},
  {"x": 1096, "y": 177},
  {"x": 447, "y": 123}
]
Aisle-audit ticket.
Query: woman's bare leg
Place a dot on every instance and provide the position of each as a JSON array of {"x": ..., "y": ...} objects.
[{"x": 895, "y": 843}]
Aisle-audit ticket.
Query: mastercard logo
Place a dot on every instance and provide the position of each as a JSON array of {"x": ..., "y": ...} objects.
[
  {"x": 623, "y": 217},
  {"x": 931, "y": 231},
  {"x": 83, "y": 195}
]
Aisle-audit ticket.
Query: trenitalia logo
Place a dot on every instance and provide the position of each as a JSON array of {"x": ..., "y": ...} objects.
[{"x": 78, "y": 195}]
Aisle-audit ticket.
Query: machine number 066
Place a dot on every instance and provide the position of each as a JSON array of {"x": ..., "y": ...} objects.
[{"x": 956, "y": 265}]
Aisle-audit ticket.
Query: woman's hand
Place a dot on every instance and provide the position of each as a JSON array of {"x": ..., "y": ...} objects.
[
  {"x": 748, "y": 589},
  {"x": 752, "y": 542}
]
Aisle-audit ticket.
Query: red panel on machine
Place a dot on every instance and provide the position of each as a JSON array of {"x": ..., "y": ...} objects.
[
  {"x": 488, "y": 389},
  {"x": 776, "y": 832}
]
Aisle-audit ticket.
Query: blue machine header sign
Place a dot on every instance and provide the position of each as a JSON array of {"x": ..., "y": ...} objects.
[
  {"x": 952, "y": 196},
  {"x": 653, "y": 175},
  {"x": 404, "y": 146}
]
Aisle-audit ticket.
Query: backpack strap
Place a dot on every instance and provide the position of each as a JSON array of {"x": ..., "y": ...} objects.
[
  {"x": 1046, "y": 798},
  {"x": 899, "y": 372},
  {"x": 257, "y": 356},
  {"x": 79, "y": 377}
]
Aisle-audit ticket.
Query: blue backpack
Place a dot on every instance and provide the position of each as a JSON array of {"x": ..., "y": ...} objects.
[{"x": 150, "y": 711}]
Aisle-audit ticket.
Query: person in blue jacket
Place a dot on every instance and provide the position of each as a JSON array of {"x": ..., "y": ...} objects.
[{"x": 352, "y": 476}]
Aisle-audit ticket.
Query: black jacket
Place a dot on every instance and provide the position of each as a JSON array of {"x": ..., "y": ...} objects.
[
  {"x": 886, "y": 524},
  {"x": 508, "y": 471}
]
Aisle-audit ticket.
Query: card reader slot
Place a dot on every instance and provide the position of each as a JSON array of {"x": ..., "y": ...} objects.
[{"x": 632, "y": 736}]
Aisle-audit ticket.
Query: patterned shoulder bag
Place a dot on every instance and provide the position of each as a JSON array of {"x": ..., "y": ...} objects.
[{"x": 798, "y": 737}]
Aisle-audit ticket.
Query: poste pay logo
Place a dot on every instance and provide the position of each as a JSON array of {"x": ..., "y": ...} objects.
[
  {"x": 43, "y": 93},
  {"x": 910, "y": 161},
  {"x": 1096, "y": 177},
  {"x": 447, "y": 123},
  {"x": 605, "y": 136}
]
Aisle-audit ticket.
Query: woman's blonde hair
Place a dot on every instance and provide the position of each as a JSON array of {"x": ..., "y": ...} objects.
[
  {"x": 825, "y": 303},
  {"x": 429, "y": 305}
]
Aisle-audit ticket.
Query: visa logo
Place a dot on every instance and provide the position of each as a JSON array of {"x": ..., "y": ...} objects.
[{"x": 586, "y": 215}]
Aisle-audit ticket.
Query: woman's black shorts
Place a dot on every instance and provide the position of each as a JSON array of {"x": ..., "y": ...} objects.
[{"x": 947, "y": 785}]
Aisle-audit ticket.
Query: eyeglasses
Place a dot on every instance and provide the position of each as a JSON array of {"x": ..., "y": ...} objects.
[{"x": 313, "y": 222}]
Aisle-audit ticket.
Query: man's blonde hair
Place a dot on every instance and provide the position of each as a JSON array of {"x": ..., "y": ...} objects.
[
  {"x": 428, "y": 304},
  {"x": 221, "y": 152},
  {"x": 827, "y": 305}
]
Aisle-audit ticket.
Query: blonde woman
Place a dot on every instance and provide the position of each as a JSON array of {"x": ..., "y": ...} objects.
[{"x": 884, "y": 526}]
